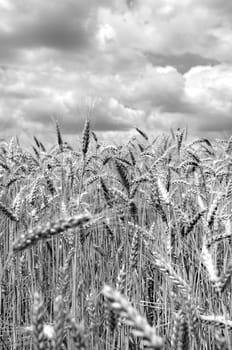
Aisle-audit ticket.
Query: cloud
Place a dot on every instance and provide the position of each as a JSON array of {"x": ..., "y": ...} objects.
[
  {"x": 67, "y": 26},
  {"x": 209, "y": 88},
  {"x": 183, "y": 62},
  {"x": 220, "y": 6},
  {"x": 154, "y": 88},
  {"x": 106, "y": 115},
  {"x": 136, "y": 63},
  {"x": 153, "y": 98},
  {"x": 208, "y": 93}
]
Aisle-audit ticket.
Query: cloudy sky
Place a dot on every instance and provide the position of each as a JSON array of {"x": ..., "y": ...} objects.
[{"x": 151, "y": 64}]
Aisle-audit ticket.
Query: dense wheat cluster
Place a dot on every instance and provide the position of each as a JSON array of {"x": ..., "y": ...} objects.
[{"x": 116, "y": 247}]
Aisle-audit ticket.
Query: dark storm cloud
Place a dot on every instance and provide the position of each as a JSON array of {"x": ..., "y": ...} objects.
[
  {"x": 221, "y": 6},
  {"x": 52, "y": 33},
  {"x": 17, "y": 94},
  {"x": 64, "y": 26},
  {"x": 182, "y": 62}
]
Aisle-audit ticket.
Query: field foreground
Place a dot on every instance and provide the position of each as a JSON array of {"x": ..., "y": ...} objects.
[{"x": 116, "y": 247}]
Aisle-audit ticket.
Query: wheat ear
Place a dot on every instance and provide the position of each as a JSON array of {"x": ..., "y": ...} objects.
[
  {"x": 85, "y": 137},
  {"x": 43, "y": 232},
  {"x": 133, "y": 318}
]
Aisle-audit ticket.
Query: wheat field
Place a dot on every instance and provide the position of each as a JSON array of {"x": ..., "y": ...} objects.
[{"x": 116, "y": 247}]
